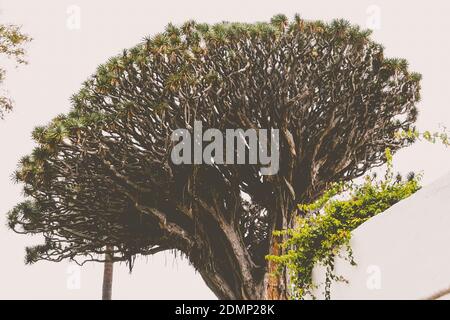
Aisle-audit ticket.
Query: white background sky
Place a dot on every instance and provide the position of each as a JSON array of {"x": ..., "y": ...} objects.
[{"x": 62, "y": 57}]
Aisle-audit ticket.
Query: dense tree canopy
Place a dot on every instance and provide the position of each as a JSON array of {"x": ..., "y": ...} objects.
[{"x": 101, "y": 175}]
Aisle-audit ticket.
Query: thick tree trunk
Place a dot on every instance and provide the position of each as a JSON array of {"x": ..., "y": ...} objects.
[
  {"x": 275, "y": 280},
  {"x": 108, "y": 274},
  {"x": 226, "y": 281}
]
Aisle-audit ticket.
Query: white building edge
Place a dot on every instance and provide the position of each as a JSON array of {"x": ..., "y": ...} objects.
[{"x": 402, "y": 253}]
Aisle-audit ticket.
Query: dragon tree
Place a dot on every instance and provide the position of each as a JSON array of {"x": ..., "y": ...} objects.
[{"x": 101, "y": 176}]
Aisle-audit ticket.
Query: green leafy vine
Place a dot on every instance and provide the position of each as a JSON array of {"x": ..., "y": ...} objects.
[{"x": 323, "y": 228}]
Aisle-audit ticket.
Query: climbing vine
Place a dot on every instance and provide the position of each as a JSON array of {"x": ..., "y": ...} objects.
[
  {"x": 441, "y": 136},
  {"x": 323, "y": 228}
]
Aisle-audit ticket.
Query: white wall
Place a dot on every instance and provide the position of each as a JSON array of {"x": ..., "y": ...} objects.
[{"x": 403, "y": 253}]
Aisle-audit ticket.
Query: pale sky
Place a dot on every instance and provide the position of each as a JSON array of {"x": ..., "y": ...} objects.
[{"x": 64, "y": 53}]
